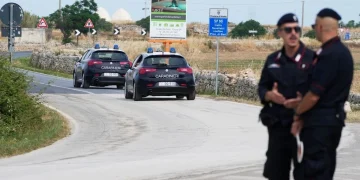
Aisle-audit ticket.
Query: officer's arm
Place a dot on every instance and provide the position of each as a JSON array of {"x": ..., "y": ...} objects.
[
  {"x": 265, "y": 84},
  {"x": 324, "y": 73}
]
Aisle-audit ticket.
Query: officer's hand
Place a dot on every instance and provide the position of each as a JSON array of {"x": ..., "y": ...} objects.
[
  {"x": 294, "y": 102},
  {"x": 277, "y": 97},
  {"x": 296, "y": 125}
]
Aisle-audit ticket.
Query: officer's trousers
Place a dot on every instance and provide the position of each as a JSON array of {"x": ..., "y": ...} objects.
[
  {"x": 319, "y": 161},
  {"x": 281, "y": 150}
]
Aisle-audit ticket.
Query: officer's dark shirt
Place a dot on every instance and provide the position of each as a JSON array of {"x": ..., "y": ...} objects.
[
  {"x": 291, "y": 76},
  {"x": 331, "y": 81}
]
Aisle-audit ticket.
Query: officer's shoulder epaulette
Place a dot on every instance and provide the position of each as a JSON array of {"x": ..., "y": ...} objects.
[{"x": 274, "y": 55}]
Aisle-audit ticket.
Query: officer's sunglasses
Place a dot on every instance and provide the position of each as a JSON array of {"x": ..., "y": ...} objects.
[{"x": 288, "y": 30}]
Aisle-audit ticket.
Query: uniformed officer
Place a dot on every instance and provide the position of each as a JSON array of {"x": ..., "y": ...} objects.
[
  {"x": 284, "y": 78},
  {"x": 320, "y": 116}
]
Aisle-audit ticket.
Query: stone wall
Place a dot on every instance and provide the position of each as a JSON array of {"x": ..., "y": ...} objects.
[
  {"x": 243, "y": 85},
  {"x": 51, "y": 61}
]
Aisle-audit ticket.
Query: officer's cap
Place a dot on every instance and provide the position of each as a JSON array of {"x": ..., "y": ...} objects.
[
  {"x": 327, "y": 12},
  {"x": 287, "y": 18}
]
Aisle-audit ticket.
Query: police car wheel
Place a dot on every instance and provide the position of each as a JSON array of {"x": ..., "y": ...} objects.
[
  {"x": 75, "y": 83},
  {"x": 136, "y": 95},
  {"x": 84, "y": 83},
  {"x": 191, "y": 96},
  {"x": 127, "y": 94},
  {"x": 179, "y": 97}
]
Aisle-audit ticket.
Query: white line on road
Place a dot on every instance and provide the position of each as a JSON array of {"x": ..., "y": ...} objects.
[{"x": 72, "y": 89}]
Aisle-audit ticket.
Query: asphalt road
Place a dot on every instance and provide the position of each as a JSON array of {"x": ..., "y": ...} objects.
[{"x": 158, "y": 138}]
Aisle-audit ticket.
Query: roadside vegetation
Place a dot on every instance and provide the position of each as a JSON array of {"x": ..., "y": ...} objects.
[{"x": 25, "y": 123}]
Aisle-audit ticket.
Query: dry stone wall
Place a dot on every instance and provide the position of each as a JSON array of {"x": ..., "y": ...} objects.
[
  {"x": 51, "y": 61},
  {"x": 243, "y": 85}
]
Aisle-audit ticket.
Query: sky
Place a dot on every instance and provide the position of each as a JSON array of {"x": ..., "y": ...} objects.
[{"x": 263, "y": 11}]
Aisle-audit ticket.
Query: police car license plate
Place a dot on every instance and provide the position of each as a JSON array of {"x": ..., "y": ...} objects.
[
  {"x": 167, "y": 83},
  {"x": 111, "y": 74}
]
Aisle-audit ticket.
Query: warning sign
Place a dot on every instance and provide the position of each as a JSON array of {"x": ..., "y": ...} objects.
[
  {"x": 89, "y": 24},
  {"x": 42, "y": 23}
]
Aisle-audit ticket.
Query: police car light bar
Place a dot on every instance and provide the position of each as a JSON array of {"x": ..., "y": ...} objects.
[
  {"x": 159, "y": 50},
  {"x": 172, "y": 50},
  {"x": 150, "y": 50},
  {"x": 116, "y": 46},
  {"x": 97, "y": 46}
]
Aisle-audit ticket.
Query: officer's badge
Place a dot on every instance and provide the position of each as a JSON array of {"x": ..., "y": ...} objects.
[
  {"x": 318, "y": 51},
  {"x": 303, "y": 66},
  {"x": 297, "y": 58},
  {"x": 274, "y": 65},
  {"x": 295, "y": 19}
]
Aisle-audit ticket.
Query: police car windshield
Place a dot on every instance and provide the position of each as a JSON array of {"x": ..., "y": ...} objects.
[
  {"x": 173, "y": 61},
  {"x": 110, "y": 56}
]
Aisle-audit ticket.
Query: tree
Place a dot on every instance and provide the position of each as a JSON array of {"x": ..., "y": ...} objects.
[
  {"x": 350, "y": 24},
  {"x": 74, "y": 17},
  {"x": 144, "y": 23},
  {"x": 29, "y": 20},
  {"x": 104, "y": 25},
  {"x": 310, "y": 34},
  {"x": 243, "y": 28}
]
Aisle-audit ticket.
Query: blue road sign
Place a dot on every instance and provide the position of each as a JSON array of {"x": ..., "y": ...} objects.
[{"x": 218, "y": 22}]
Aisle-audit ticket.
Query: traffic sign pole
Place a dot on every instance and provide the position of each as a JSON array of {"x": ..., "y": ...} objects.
[
  {"x": 11, "y": 31},
  {"x": 218, "y": 27},
  {"x": 217, "y": 66}
]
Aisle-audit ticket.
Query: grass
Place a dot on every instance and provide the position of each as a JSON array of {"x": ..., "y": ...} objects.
[
  {"x": 24, "y": 63},
  {"x": 53, "y": 128}
]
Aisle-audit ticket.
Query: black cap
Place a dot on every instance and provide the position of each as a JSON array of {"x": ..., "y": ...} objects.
[
  {"x": 287, "y": 18},
  {"x": 327, "y": 12}
]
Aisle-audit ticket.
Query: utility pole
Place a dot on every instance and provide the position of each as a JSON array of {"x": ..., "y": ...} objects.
[
  {"x": 145, "y": 8},
  {"x": 302, "y": 20},
  {"x": 60, "y": 8}
]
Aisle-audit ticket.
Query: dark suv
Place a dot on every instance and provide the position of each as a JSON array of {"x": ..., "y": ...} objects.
[
  {"x": 101, "y": 67},
  {"x": 160, "y": 74}
]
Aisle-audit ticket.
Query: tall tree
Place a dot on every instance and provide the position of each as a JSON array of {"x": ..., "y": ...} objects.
[
  {"x": 144, "y": 23},
  {"x": 29, "y": 20},
  {"x": 74, "y": 17}
]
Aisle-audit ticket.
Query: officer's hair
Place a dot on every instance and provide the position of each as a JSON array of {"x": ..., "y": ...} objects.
[{"x": 329, "y": 24}]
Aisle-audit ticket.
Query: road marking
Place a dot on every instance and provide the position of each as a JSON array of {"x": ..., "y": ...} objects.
[
  {"x": 72, "y": 89},
  {"x": 43, "y": 74}
]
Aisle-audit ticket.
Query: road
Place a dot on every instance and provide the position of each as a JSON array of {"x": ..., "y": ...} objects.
[{"x": 158, "y": 138}]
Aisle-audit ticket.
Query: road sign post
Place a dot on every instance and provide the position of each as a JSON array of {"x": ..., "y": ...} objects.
[
  {"x": 218, "y": 27},
  {"x": 253, "y": 32},
  {"x": 11, "y": 15},
  {"x": 11, "y": 31},
  {"x": 77, "y": 33}
]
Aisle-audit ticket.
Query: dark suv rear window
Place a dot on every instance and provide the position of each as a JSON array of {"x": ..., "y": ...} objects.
[
  {"x": 109, "y": 55},
  {"x": 175, "y": 61}
]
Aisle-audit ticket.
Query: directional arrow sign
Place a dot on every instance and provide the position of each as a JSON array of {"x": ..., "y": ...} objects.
[
  {"x": 77, "y": 32},
  {"x": 143, "y": 32},
  {"x": 116, "y": 31},
  {"x": 93, "y": 32}
]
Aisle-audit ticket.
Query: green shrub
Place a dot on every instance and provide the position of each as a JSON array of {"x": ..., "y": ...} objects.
[{"x": 19, "y": 111}]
